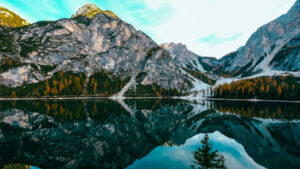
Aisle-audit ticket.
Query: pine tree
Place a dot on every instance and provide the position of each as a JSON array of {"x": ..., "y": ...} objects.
[
  {"x": 13, "y": 94},
  {"x": 66, "y": 82},
  {"x": 47, "y": 90},
  {"x": 279, "y": 91},
  {"x": 262, "y": 90},
  {"x": 54, "y": 91},
  {"x": 61, "y": 86},
  {"x": 95, "y": 87},
  {"x": 78, "y": 87},
  {"x": 205, "y": 158},
  {"x": 37, "y": 94}
]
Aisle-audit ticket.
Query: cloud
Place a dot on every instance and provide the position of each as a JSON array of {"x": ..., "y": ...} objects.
[
  {"x": 228, "y": 24},
  {"x": 213, "y": 40}
]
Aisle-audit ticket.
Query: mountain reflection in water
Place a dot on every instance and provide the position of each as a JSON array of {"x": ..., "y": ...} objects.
[
  {"x": 147, "y": 133},
  {"x": 177, "y": 157}
]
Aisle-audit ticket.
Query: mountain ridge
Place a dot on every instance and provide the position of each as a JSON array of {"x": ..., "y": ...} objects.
[
  {"x": 10, "y": 19},
  {"x": 263, "y": 46},
  {"x": 88, "y": 46}
]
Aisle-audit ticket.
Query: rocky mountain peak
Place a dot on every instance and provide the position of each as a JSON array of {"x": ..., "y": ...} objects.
[
  {"x": 274, "y": 46},
  {"x": 174, "y": 45},
  {"x": 184, "y": 57},
  {"x": 10, "y": 19},
  {"x": 90, "y": 10}
]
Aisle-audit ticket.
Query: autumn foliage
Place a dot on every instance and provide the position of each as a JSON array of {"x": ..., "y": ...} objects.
[
  {"x": 281, "y": 87},
  {"x": 60, "y": 84}
]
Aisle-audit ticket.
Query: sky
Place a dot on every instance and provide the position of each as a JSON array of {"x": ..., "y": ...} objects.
[{"x": 207, "y": 27}]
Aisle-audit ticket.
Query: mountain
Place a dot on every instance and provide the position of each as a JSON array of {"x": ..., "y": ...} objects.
[
  {"x": 10, "y": 19},
  {"x": 188, "y": 59},
  {"x": 101, "y": 51},
  {"x": 197, "y": 67},
  {"x": 90, "y": 10},
  {"x": 184, "y": 57},
  {"x": 95, "y": 53},
  {"x": 274, "y": 46}
]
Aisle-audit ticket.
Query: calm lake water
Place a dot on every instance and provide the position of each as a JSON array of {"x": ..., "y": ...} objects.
[{"x": 147, "y": 134}]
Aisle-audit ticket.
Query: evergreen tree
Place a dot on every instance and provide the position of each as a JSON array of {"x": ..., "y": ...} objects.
[
  {"x": 205, "y": 158},
  {"x": 13, "y": 94},
  {"x": 47, "y": 91}
]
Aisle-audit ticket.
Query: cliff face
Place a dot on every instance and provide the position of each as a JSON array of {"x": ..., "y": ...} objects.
[
  {"x": 184, "y": 57},
  {"x": 274, "y": 46},
  {"x": 87, "y": 45}
]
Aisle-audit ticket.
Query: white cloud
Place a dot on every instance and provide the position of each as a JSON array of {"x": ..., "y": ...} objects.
[{"x": 194, "y": 19}]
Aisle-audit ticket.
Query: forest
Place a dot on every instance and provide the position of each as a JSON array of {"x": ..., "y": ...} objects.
[
  {"x": 105, "y": 84},
  {"x": 152, "y": 91},
  {"x": 59, "y": 84},
  {"x": 279, "y": 87},
  {"x": 100, "y": 84},
  {"x": 8, "y": 63}
]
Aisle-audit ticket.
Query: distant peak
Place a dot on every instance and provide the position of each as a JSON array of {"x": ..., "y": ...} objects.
[
  {"x": 10, "y": 19},
  {"x": 90, "y": 10},
  {"x": 173, "y": 45},
  {"x": 90, "y": 5}
]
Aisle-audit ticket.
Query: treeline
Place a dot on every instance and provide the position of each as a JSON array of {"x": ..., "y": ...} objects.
[
  {"x": 76, "y": 84},
  {"x": 59, "y": 84},
  {"x": 152, "y": 91},
  {"x": 8, "y": 63},
  {"x": 69, "y": 84},
  {"x": 105, "y": 84},
  {"x": 280, "y": 87},
  {"x": 200, "y": 76}
]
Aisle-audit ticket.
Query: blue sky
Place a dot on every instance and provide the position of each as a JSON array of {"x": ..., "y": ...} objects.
[{"x": 207, "y": 27}]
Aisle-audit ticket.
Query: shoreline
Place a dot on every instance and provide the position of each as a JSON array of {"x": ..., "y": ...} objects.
[
  {"x": 133, "y": 98},
  {"x": 253, "y": 100}
]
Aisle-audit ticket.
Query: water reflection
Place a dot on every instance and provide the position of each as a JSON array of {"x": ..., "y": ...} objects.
[
  {"x": 18, "y": 166},
  {"x": 120, "y": 134},
  {"x": 288, "y": 111},
  {"x": 180, "y": 157}
]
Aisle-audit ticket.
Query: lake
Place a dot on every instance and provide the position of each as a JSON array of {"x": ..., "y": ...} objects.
[{"x": 147, "y": 133}]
